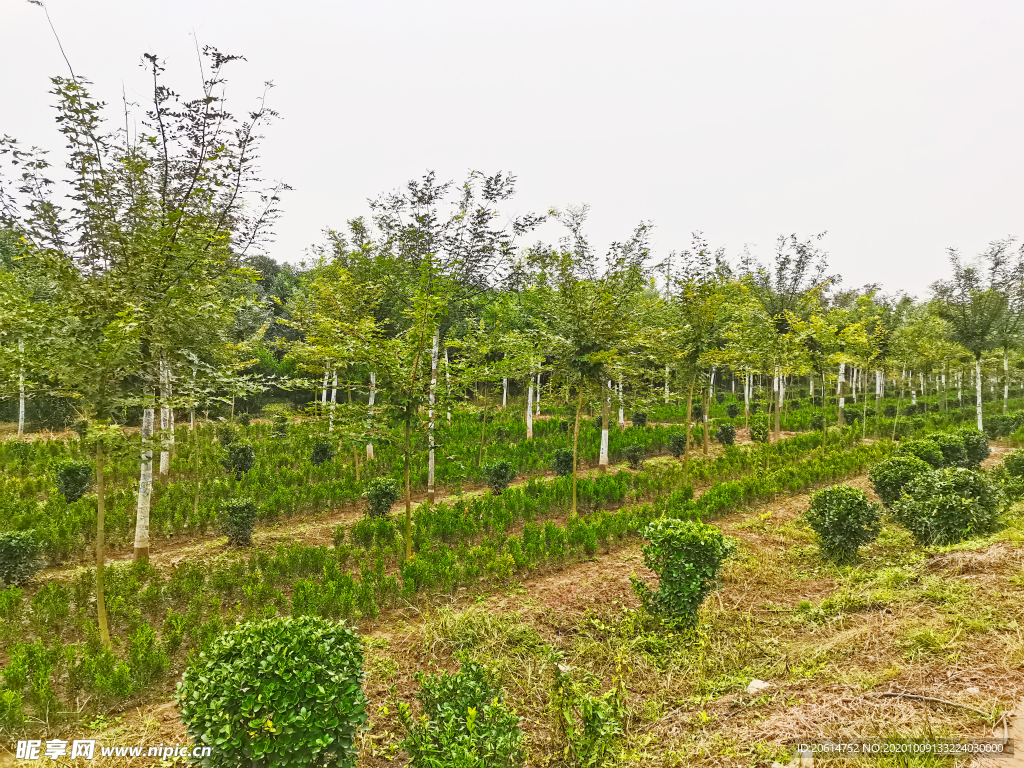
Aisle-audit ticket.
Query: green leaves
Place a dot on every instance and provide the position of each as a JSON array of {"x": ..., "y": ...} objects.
[
  {"x": 844, "y": 520},
  {"x": 948, "y": 505}
]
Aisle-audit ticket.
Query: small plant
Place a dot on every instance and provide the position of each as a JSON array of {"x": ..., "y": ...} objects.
[
  {"x": 597, "y": 422},
  {"x": 561, "y": 462},
  {"x": 639, "y": 419},
  {"x": 283, "y": 692},
  {"x": 1014, "y": 463},
  {"x": 677, "y": 444},
  {"x": 817, "y": 422},
  {"x": 499, "y": 475},
  {"x": 463, "y": 722},
  {"x": 240, "y": 458},
  {"x": 51, "y": 604},
  {"x": 947, "y": 506},
  {"x": 323, "y": 452},
  {"x": 954, "y": 454},
  {"x": 74, "y": 478},
  {"x": 923, "y": 448},
  {"x": 238, "y": 517},
  {"x": 563, "y": 425},
  {"x": 19, "y": 557},
  {"x": 381, "y": 493},
  {"x": 732, "y": 410},
  {"x": 590, "y": 726},
  {"x": 226, "y": 435},
  {"x": 891, "y": 476},
  {"x": 686, "y": 555},
  {"x": 281, "y": 422},
  {"x": 635, "y": 455},
  {"x": 726, "y": 434},
  {"x": 844, "y": 520},
  {"x": 245, "y": 419},
  {"x": 975, "y": 446},
  {"x": 759, "y": 431},
  {"x": 146, "y": 658}
]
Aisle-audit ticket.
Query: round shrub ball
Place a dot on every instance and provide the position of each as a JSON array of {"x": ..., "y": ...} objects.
[
  {"x": 844, "y": 519},
  {"x": 499, "y": 475},
  {"x": 759, "y": 431},
  {"x": 677, "y": 444},
  {"x": 954, "y": 454},
  {"x": 561, "y": 462},
  {"x": 1014, "y": 463},
  {"x": 19, "y": 557},
  {"x": 279, "y": 692},
  {"x": 635, "y": 455},
  {"x": 975, "y": 446},
  {"x": 947, "y": 506},
  {"x": 732, "y": 410},
  {"x": 238, "y": 516},
  {"x": 726, "y": 434},
  {"x": 74, "y": 478},
  {"x": 639, "y": 419},
  {"x": 381, "y": 493},
  {"x": 924, "y": 449},
  {"x": 323, "y": 451},
  {"x": 891, "y": 476},
  {"x": 240, "y": 458}
]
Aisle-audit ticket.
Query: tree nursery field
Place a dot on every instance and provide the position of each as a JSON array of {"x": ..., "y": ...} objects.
[{"x": 441, "y": 497}]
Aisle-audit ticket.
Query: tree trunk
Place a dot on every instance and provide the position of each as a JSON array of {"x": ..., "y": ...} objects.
[
  {"x": 165, "y": 421},
  {"x": 21, "y": 388},
  {"x": 622, "y": 412},
  {"x": 504, "y": 392},
  {"x": 1006, "y": 380},
  {"x": 778, "y": 407},
  {"x": 373, "y": 398},
  {"x": 145, "y": 481},
  {"x": 430, "y": 415},
  {"x": 334, "y": 399},
  {"x": 408, "y": 487},
  {"x": 606, "y": 415},
  {"x": 746, "y": 401},
  {"x": 323, "y": 393},
  {"x": 101, "y": 603},
  {"x": 841, "y": 393},
  {"x": 689, "y": 424},
  {"x": 448, "y": 386},
  {"x": 483, "y": 429},
  {"x": 575, "y": 447},
  {"x": 198, "y": 478},
  {"x": 704, "y": 415},
  {"x": 538, "y": 394},
  {"x": 529, "y": 408},
  {"x": 977, "y": 376},
  {"x": 666, "y": 385}
]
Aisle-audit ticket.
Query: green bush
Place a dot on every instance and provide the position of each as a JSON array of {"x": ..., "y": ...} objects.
[
  {"x": 51, "y": 604},
  {"x": 732, "y": 410},
  {"x": 954, "y": 454},
  {"x": 226, "y": 435},
  {"x": 1014, "y": 463},
  {"x": 499, "y": 475},
  {"x": 891, "y": 476},
  {"x": 381, "y": 493},
  {"x": 639, "y": 419},
  {"x": 19, "y": 557},
  {"x": 146, "y": 658},
  {"x": 280, "y": 692},
  {"x": 817, "y": 422},
  {"x": 923, "y": 448},
  {"x": 677, "y": 444},
  {"x": 323, "y": 451},
  {"x": 238, "y": 516},
  {"x": 463, "y": 723},
  {"x": 635, "y": 455},
  {"x": 281, "y": 422},
  {"x": 844, "y": 520},
  {"x": 726, "y": 434},
  {"x": 561, "y": 462},
  {"x": 686, "y": 555},
  {"x": 947, "y": 506},
  {"x": 975, "y": 446},
  {"x": 240, "y": 459},
  {"x": 759, "y": 430},
  {"x": 245, "y": 419},
  {"x": 74, "y": 478}
]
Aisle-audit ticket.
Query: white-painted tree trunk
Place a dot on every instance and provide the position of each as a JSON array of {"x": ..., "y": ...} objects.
[
  {"x": 166, "y": 421},
  {"x": 373, "y": 398},
  {"x": 811, "y": 380},
  {"x": 529, "y": 408},
  {"x": 1006, "y": 381},
  {"x": 840, "y": 392},
  {"x": 21, "y": 388},
  {"x": 622, "y": 410},
  {"x": 538, "y": 395},
  {"x": 913, "y": 391},
  {"x": 334, "y": 399},
  {"x": 666, "y": 385},
  {"x": 323, "y": 391},
  {"x": 448, "y": 386},
  {"x": 504, "y": 392},
  {"x": 602, "y": 461},
  {"x": 145, "y": 480},
  {"x": 977, "y": 377},
  {"x": 746, "y": 398},
  {"x": 430, "y": 412}
]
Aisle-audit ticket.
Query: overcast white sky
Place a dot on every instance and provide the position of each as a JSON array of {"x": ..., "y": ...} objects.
[{"x": 895, "y": 125}]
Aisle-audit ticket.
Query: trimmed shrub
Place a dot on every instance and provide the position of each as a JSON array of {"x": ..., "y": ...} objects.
[
  {"x": 499, "y": 475},
  {"x": 635, "y": 455},
  {"x": 561, "y": 462},
  {"x": 817, "y": 422},
  {"x": 697, "y": 412},
  {"x": 947, "y": 506},
  {"x": 975, "y": 446},
  {"x": 726, "y": 434},
  {"x": 238, "y": 516},
  {"x": 19, "y": 557},
  {"x": 226, "y": 434},
  {"x": 464, "y": 722},
  {"x": 923, "y": 448},
  {"x": 719, "y": 397},
  {"x": 74, "y": 478},
  {"x": 281, "y": 422},
  {"x": 323, "y": 452},
  {"x": 240, "y": 459},
  {"x": 381, "y": 493},
  {"x": 732, "y": 410},
  {"x": 891, "y": 476},
  {"x": 1014, "y": 463},
  {"x": 639, "y": 419},
  {"x": 245, "y": 419},
  {"x": 759, "y": 430},
  {"x": 954, "y": 454},
  {"x": 686, "y": 555},
  {"x": 844, "y": 520},
  {"x": 890, "y": 411},
  {"x": 677, "y": 444},
  {"x": 281, "y": 692}
]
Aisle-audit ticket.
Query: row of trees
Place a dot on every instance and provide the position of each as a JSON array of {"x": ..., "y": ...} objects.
[{"x": 135, "y": 276}]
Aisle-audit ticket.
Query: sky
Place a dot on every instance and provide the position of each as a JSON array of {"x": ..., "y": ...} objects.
[{"x": 894, "y": 126}]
